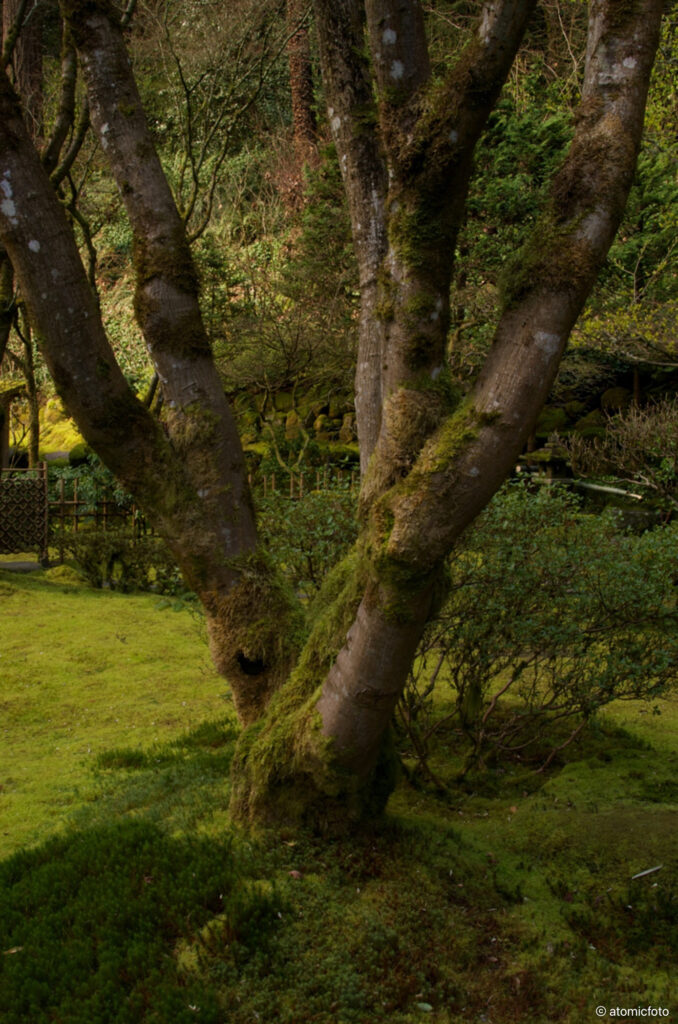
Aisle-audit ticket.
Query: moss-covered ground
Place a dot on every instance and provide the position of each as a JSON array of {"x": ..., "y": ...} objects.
[{"x": 126, "y": 895}]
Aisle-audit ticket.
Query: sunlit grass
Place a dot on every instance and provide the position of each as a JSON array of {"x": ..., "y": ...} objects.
[{"x": 82, "y": 671}]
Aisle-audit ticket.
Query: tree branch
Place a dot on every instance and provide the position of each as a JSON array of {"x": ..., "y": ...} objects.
[
  {"x": 463, "y": 464},
  {"x": 66, "y": 111}
]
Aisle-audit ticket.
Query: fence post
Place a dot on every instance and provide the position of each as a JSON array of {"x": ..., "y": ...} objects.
[
  {"x": 44, "y": 547},
  {"x": 61, "y": 521}
]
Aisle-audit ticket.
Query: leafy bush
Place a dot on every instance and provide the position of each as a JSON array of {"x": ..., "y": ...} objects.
[
  {"x": 552, "y": 614},
  {"x": 640, "y": 448},
  {"x": 116, "y": 559},
  {"x": 306, "y": 536},
  {"x": 93, "y": 481},
  {"x": 89, "y": 925}
]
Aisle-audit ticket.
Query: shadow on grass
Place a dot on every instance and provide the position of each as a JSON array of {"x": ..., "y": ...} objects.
[
  {"x": 181, "y": 784},
  {"x": 90, "y": 924}
]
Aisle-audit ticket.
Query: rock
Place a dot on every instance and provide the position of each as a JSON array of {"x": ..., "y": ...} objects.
[
  {"x": 321, "y": 424},
  {"x": 292, "y": 426},
  {"x": 575, "y": 410},
  {"x": 347, "y": 431},
  {"x": 551, "y": 420},
  {"x": 283, "y": 401},
  {"x": 592, "y": 425},
  {"x": 338, "y": 406}
]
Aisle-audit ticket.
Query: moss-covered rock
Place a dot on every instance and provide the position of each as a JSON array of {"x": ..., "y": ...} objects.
[
  {"x": 592, "y": 425},
  {"x": 292, "y": 425},
  {"x": 79, "y": 454},
  {"x": 551, "y": 420}
]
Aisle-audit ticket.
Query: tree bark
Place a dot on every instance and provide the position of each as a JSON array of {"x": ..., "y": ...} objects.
[
  {"x": 191, "y": 481},
  {"x": 26, "y": 61},
  {"x": 434, "y": 467},
  {"x": 301, "y": 83}
]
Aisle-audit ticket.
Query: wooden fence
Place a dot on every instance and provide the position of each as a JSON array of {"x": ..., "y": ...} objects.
[
  {"x": 296, "y": 485},
  {"x": 75, "y": 511},
  {"x": 30, "y": 518},
  {"x": 24, "y": 511}
]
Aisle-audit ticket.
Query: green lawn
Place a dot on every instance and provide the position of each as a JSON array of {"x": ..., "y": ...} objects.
[
  {"x": 126, "y": 895},
  {"x": 82, "y": 671}
]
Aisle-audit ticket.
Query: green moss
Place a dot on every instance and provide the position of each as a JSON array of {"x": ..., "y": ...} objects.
[
  {"x": 419, "y": 307},
  {"x": 454, "y": 434},
  {"x": 284, "y": 769},
  {"x": 443, "y": 385},
  {"x": 415, "y": 230},
  {"x": 170, "y": 259},
  {"x": 365, "y": 118},
  {"x": 385, "y": 308}
]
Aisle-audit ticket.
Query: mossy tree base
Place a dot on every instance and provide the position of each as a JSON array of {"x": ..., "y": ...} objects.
[{"x": 287, "y": 774}]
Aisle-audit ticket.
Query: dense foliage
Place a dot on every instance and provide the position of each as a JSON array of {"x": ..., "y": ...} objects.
[{"x": 552, "y": 615}]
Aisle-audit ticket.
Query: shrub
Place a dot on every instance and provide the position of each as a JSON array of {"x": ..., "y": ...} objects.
[
  {"x": 116, "y": 559},
  {"x": 552, "y": 614},
  {"x": 307, "y": 536}
]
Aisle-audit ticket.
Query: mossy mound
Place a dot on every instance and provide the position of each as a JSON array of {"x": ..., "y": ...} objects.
[{"x": 65, "y": 575}]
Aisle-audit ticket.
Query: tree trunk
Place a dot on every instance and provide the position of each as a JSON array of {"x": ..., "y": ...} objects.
[
  {"x": 301, "y": 84},
  {"x": 430, "y": 462},
  {"x": 191, "y": 480},
  {"x": 26, "y": 61},
  {"x": 434, "y": 467}
]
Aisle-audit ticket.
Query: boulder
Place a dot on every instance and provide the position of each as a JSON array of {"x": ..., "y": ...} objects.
[
  {"x": 592, "y": 425},
  {"x": 551, "y": 420},
  {"x": 292, "y": 425}
]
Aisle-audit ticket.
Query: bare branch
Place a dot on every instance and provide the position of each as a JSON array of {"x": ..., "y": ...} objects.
[
  {"x": 13, "y": 34},
  {"x": 66, "y": 111}
]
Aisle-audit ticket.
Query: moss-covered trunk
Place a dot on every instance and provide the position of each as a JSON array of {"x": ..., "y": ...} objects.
[
  {"x": 318, "y": 746},
  {"x": 187, "y": 473},
  {"x": 321, "y": 752}
]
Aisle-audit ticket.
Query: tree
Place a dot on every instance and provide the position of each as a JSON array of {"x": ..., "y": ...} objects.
[
  {"x": 301, "y": 83},
  {"x": 318, "y": 697}
]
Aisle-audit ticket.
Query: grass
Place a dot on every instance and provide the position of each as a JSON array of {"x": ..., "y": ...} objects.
[
  {"x": 82, "y": 671},
  {"x": 127, "y": 896}
]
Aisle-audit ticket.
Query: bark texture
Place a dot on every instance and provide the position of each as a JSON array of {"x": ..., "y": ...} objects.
[
  {"x": 435, "y": 462},
  {"x": 301, "y": 82},
  {"x": 26, "y": 59},
  {"x": 188, "y": 475}
]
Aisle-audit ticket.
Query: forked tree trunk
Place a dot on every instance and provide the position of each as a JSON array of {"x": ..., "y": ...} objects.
[
  {"x": 319, "y": 750},
  {"x": 188, "y": 474},
  {"x": 434, "y": 467}
]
